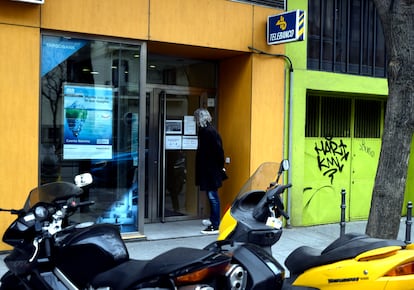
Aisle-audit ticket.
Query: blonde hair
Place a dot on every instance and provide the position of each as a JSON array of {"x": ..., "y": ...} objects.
[{"x": 202, "y": 117}]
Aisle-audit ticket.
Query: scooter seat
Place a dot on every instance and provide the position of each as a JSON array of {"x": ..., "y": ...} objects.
[
  {"x": 133, "y": 272},
  {"x": 347, "y": 247}
]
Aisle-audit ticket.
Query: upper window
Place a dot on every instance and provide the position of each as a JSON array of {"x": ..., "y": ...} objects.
[
  {"x": 271, "y": 3},
  {"x": 328, "y": 116},
  {"x": 345, "y": 36}
]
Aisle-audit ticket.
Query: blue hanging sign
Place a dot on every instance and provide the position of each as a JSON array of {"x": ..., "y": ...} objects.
[
  {"x": 286, "y": 27},
  {"x": 57, "y": 49}
]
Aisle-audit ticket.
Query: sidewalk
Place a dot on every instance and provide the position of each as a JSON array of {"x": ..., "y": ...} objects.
[
  {"x": 161, "y": 237},
  {"x": 314, "y": 236}
]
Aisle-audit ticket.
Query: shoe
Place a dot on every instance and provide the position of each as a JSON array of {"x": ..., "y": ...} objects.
[
  {"x": 210, "y": 230},
  {"x": 206, "y": 223}
]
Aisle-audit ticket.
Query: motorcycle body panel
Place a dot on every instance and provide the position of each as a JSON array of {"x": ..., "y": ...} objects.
[
  {"x": 263, "y": 270},
  {"x": 238, "y": 223},
  {"x": 362, "y": 272},
  {"x": 353, "y": 261},
  {"x": 85, "y": 252},
  {"x": 159, "y": 271}
]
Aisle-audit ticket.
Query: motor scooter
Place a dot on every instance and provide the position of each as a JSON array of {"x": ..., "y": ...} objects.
[
  {"x": 353, "y": 261},
  {"x": 52, "y": 252}
]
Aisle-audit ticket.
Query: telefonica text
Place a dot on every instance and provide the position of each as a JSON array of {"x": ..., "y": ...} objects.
[{"x": 282, "y": 35}]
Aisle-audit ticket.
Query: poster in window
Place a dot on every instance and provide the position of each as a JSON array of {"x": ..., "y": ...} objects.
[
  {"x": 173, "y": 142},
  {"x": 87, "y": 119},
  {"x": 189, "y": 125},
  {"x": 173, "y": 126}
]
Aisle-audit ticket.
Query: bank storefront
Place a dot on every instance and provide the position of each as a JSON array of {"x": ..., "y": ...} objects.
[
  {"x": 94, "y": 86},
  {"x": 110, "y": 108}
]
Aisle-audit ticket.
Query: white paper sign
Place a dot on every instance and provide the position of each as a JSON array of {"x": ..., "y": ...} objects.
[
  {"x": 189, "y": 125},
  {"x": 173, "y": 142},
  {"x": 190, "y": 142}
]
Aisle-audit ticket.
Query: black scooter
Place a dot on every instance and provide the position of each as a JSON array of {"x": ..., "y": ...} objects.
[{"x": 50, "y": 252}]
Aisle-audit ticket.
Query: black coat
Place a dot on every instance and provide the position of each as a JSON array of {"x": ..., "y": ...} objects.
[{"x": 209, "y": 159}]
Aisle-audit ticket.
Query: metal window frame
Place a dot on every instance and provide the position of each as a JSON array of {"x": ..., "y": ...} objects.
[
  {"x": 281, "y": 4},
  {"x": 366, "y": 13}
]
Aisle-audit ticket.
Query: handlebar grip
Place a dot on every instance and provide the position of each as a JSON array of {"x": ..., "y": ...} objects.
[
  {"x": 277, "y": 190},
  {"x": 283, "y": 187},
  {"x": 86, "y": 203}
]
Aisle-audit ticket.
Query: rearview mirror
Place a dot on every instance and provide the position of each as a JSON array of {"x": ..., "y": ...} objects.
[
  {"x": 285, "y": 165},
  {"x": 83, "y": 179}
]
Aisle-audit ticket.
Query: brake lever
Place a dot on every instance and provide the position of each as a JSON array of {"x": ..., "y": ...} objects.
[{"x": 36, "y": 246}]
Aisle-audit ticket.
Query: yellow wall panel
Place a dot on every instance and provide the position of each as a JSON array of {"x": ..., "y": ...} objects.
[
  {"x": 210, "y": 23},
  {"x": 19, "y": 13},
  {"x": 234, "y": 122},
  {"x": 19, "y": 109},
  {"x": 267, "y": 110},
  {"x": 128, "y": 18},
  {"x": 259, "y": 30}
]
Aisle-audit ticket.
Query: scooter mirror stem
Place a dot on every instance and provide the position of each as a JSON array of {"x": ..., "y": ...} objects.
[{"x": 284, "y": 166}]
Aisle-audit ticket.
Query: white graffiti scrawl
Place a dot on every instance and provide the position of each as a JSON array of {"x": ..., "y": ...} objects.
[{"x": 331, "y": 156}]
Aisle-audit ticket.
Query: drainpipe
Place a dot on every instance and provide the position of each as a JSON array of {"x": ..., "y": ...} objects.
[{"x": 289, "y": 110}]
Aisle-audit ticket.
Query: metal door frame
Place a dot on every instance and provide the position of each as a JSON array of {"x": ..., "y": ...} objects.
[{"x": 156, "y": 170}]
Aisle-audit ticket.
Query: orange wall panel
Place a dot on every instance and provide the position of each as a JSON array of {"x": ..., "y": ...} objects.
[
  {"x": 267, "y": 110},
  {"x": 19, "y": 109},
  {"x": 210, "y": 23},
  {"x": 234, "y": 121},
  {"x": 126, "y": 18},
  {"x": 19, "y": 13},
  {"x": 259, "y": 30}
]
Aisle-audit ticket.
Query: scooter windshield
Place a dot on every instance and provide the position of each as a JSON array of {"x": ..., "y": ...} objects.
[
  {"x": 51, "y": 192},
  {"x": 265, "y": 174}
]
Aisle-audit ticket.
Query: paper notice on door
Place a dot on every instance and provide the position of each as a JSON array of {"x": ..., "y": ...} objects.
[
  {"x": 189, "y": 125},
  {"x": 190, "y": 142},
  {"x": 173, "y": 142}
]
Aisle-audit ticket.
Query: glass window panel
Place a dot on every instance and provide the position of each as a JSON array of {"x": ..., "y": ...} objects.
[
  {"x": 344, "y": 36},
  {"x": 314, "y": 34},
  {"x": 89, "y": 122},
  {"x": 328, "y": 35},
  {"x": 180, "y": 71}
]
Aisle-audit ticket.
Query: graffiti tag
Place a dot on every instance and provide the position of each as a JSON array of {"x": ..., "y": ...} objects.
[
  {"x": 331, "y": 156},
  {"x": 363, "y": 147}
]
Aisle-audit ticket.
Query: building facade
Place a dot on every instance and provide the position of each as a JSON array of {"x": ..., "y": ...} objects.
[
  {"x": 338, "y": 102},
  {"x": 95, "y": 86}
]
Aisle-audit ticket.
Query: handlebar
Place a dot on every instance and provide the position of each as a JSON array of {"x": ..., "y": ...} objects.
[
  {"x": 276, "y": 191},
  {"x": 272, "y": 198},
  {"x": 73, "y": 206}
]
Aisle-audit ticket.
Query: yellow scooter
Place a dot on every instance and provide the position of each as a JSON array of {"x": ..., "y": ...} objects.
[{"x": 353, "y": 261}]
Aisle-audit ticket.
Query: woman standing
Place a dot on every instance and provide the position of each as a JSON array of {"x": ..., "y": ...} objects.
[{"x": 209, "y": 165}]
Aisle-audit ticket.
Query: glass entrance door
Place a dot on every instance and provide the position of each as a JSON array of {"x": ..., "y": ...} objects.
[{"x": 172, "y": 137}]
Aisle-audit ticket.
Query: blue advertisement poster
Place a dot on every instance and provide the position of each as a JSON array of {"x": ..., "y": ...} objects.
[{"x": 87, "y": 121}]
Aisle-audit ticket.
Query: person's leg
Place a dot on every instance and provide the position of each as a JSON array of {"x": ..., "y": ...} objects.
[{"x": 214, "y": 208}]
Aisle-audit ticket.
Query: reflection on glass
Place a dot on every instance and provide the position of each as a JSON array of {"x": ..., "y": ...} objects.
[{"x": 99, "y": 122}]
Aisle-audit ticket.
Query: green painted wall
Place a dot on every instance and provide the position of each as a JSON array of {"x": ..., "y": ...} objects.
[{"x": 315, "y": 198}]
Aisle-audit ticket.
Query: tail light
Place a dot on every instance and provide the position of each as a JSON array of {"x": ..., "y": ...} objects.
[
  {"x": 403, "y": 269},
  {"x": 202, "y": 274}
]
